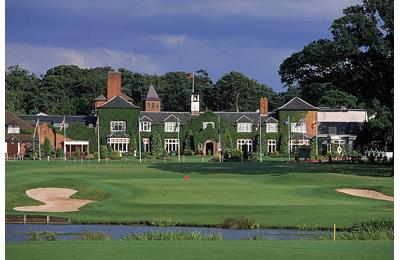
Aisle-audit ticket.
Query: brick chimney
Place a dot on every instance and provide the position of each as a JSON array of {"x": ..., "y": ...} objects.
[
  {"x": 113, "y": 84},
  {"x": 263, "y": 106}
]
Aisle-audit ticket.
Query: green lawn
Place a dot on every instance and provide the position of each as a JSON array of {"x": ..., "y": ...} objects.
[
  {"x": 276, "y": 250},
  {"x": 273, "y": 193}
]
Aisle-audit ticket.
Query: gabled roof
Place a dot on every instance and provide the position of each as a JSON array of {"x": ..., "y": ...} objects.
[
  {"x": 119, "y": 135},
  {"x": 118, "y": 102},
  {"x": 271, "y": 120},
  {"x": 173, "y": 120},
  {"x": 146, "y": 119},
  {"x": 19, "y": 138},
  {"x": 297, "y": 103},
  {"x": 11, "y": 119},
  {"x": 126, "y": 97},
  {"x": 159, "y": 117},
  {"x": 233, "y": 117},
  {"x": 152, "y": 94},
  {"x": 56, "y": 119},
  {"x": 244, "y": 119},
  {"x": 100, "y": 98}
]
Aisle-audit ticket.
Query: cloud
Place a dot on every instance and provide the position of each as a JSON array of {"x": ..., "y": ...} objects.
[
  {"x": 211, "y": 8},
  {"x": 39, "y": 59},
  {"x": 169, "y": 40}
]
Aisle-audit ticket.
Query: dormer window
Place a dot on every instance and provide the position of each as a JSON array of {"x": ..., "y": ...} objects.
[
  {"x": 13, "y": 129},
  {"x": 172, "y": 127},
  {"x": 272, "y": 127},
  {"x": 206, "y": 124},
  {"x": 145, "y": 126},
  {"x": 117, "y": 126},
  {"x": 244, "y": 127}
]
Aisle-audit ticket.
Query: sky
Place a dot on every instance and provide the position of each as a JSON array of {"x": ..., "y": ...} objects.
[{"x": 158, "y": 36}]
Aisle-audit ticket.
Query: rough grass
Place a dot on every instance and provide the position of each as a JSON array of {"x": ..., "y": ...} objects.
[
  {"x": 277, "y": 250},
  {"x": 275, "y": 194},
  {"x": 173, "y": 236}
]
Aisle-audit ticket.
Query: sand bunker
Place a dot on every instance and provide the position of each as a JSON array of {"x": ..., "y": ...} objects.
[
  {"x": 366, "y": 194},
  {"x": 55, "y": 199}
]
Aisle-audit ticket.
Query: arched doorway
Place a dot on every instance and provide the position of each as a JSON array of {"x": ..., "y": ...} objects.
[{"x": 209, "y": 145}]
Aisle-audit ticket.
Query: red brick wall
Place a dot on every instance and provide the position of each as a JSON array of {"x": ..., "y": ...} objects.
[
  {"x": 263, "y": 106},
  {"x": 113, "y": 84},
  {"x": 152, "y": 106},
  {"x": 55, "y": 139},
  {"x": 310, "y": 119}
]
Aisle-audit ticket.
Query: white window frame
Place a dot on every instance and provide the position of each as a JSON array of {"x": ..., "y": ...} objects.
[
  {"x": 13, "y": 129},
  {"x": 171, "y": 127},
  {"x": 117, "y": 126},
  {"x": 271, "y": 127},
  {"x": 119, "y": 144},
  {"x": 146, "y": 144},
  {"x": 244, "y": 127},
  {"x": 145, "y": 126},
  {"x": 296, "y": 128},
  {"x": 205, "y": 124},
  {"x": 241, "y": 142},
  {"x": 171, "y": 145},
  {"x": 271, "y": 145}
]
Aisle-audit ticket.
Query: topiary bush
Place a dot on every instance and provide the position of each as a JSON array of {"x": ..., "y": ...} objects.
[{"x": 116, "y": 155}]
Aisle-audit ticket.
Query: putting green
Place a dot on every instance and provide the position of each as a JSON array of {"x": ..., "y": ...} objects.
[{"x": 272, "y": 193}]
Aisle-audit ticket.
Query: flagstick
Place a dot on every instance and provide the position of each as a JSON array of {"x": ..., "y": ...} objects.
[
  {"x": 140, "y": 144},
  {"x": 316, "y": 135},
  {"x": 179, "y": 143},
  {"x": 40, "y": 151},
  {"x": 65, "y": 134}
]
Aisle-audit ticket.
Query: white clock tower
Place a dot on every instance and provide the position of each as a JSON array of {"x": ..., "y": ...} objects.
[{"x": 195, "y": 104}]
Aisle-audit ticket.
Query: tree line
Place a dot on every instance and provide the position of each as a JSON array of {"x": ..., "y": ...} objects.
[{"x": 353, "y": 69}]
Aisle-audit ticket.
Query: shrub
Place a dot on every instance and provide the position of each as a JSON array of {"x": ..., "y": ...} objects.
[
  {"x": 163, "y": 222},
  {"x": 173, "y": 236},
  {"x": 104, "y": 152},
  {"x": 77, "y": 154},
  {"x": 297, "y": 158},
  {"x": 188, "y": 152},
  {"x": 95, "y": 155},
  {"x": 217, "y": 157},
  {"x": 116, "y": 155},
  {"x": 275, "y": 154},
  {"x": 50, "y": 236},
  {"x": 90, "y": 156},
  {"x": 93, "y": 236},
  {"x": 240, "y": 223},
  {"x": 236, "y": 155},
  {"x": 306, "y": 227},
  {"x": 33, "y": 236},
  {"x": 46, "y": 147},
  {"x": 60, "y": 153}
]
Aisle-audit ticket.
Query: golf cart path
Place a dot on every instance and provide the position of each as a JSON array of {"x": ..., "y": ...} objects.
[
  {"x": 55, "y": 199},
  {"x": 372, "y": 194}
]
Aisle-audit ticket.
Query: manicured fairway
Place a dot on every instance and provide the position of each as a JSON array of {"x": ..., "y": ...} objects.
[
  {"x": 273, "y": 193},
  {"x": 365, "y": 250}
]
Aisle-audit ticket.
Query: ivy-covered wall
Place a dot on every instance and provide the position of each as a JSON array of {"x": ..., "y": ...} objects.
[
  {"x": 295, "y": 116},
  {"x": 79, "y": 131},
  {"x": 106, "y": 115}
]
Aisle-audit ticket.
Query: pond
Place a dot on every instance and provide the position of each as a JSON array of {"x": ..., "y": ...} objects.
[{"x": 20, "y": 232}]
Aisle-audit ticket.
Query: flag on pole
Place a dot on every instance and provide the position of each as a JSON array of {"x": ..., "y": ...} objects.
[
  {"x": 191, "y": 75},
  {"x": 257, "y": 126},
  {"x": 36, "y": 126},
  {"x": 97, "y": 124},
  {"x": 62, "y": 124},
  {"x": 286, "y": 122},
  {"x": 314, "y": 124}
]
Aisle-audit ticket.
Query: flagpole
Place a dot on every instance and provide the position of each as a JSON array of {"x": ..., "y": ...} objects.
[
  {"x": 179, "y": 143},
  {"x": 219, "y": 138},
  {"x": 140, "y": 144},
  {"x": 40, "y": 151},
  {"x": 192, "y": 82},
  {"x": 316, "y": 135},
  {"x": 260, "y": 139},
  {"x": 289, "y": 136},
  {"x": 98, "y": 138}
]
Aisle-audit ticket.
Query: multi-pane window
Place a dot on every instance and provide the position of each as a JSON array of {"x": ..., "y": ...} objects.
[
  {"x": 145, "y": 126},
  {"x": 244, "y": 127},
  {"x": 119, "y": 144},
  {"x": 171, "y": 145},
  {"x": 117, "y": 126},
  {"x": 245, "y": 144},
  {"x": 272, "y": 127},
  {"x": 205, "y": 125},
  {"x": 332, "y": 130},
  {"x": 171, "y": 126},
  {"x": 13, "y": 129},
  {"x": 271, "y": 146},
  {"x": 146, "y": 144},
  {"x": 298, "y": 128}
]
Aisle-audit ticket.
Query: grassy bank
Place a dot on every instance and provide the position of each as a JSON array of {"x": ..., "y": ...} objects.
[
  {"x": 274, "y": 194},
  {"x": 277, "y": 250}
]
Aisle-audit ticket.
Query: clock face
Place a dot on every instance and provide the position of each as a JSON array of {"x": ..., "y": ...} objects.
[{"x": 195, "y": 106}]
